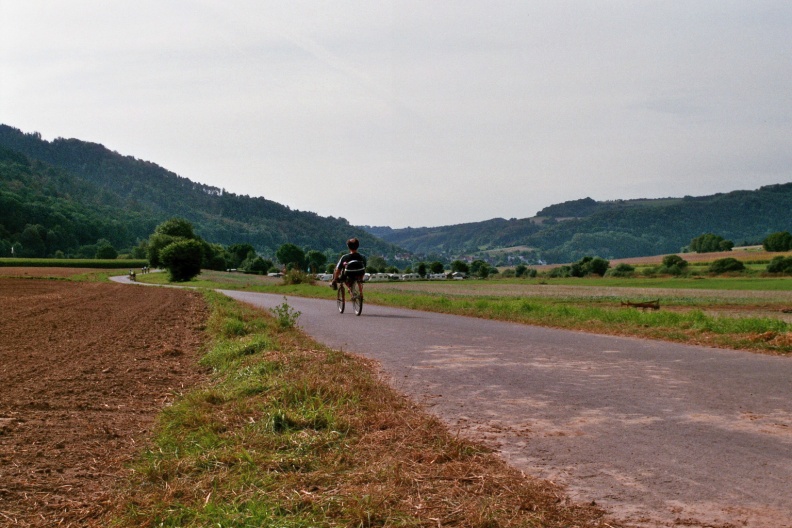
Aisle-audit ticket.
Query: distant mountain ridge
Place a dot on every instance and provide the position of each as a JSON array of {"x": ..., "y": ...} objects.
[
  {"x": 67, "y": 193},
  {"x": 614, "y": 229},
  {"x": 142, "y": 191}
]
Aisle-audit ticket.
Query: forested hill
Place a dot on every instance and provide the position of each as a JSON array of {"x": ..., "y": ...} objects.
[
  {"x": 614, "y": 229},
  {"x": 96, "y": 183}
]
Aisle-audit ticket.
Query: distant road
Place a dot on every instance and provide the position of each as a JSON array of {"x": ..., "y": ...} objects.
[{"x": 655, "y": 432}]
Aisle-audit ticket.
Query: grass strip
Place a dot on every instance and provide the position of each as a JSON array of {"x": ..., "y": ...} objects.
[
  {"x": 687, "y": 324},
  {"x": 291, "y": 434},
  {"x": 690, "y": 326}
]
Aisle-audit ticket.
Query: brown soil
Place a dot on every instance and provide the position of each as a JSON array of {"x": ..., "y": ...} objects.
[
  {"x": 84, "y": 369},
  {"x": 14, "y": 271}
]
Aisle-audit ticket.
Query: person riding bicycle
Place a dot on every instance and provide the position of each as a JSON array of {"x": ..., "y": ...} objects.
[{"x": 353, "y": 263}]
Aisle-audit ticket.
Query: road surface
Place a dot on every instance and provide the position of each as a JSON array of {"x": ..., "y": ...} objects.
[{"x": 660, "y": 434}]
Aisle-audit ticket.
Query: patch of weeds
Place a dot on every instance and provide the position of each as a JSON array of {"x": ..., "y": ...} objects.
[{"x": 285, "y": 315}]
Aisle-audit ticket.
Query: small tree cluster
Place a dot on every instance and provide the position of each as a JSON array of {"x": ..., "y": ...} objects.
[
  {"x": 673, "y": 265},
  {"x": 710, "y": 243},
  {"x": 726, "y": 265},
  {"x": 781, "y": 241},
  {"x": 175, "y": 246},
  {"x": 780, "y": 265},
  {"x": 622, "y": 270}
]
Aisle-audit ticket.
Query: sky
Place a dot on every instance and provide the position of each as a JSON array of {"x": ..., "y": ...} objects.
[{"x": 415, "y": 113}]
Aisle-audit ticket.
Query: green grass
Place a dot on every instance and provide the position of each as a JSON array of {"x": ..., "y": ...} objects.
[
  {"x": 683, "y": 317},
  {"x": 747, "y": 283},
  {"x": 288, "y": 433}
]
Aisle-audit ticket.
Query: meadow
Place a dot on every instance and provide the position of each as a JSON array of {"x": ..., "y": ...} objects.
[{"x": 743, "y": 311}]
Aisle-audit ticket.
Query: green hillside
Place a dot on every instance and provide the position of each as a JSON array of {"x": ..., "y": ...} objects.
[
  {"x": 616, "y": 229},
  {"x": 82, "y": 191}
]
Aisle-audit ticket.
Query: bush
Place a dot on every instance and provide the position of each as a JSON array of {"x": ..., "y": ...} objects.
[
  {"x": 780, "y": 265},
  {"x": 673, "y": 265},
  {"x": 781, "y": 241},
  {"x": 589, "y": 266},
  {"x": 622, "y": 270},
  {"x": 295, "y": 276},
  {"x": 285, "y": 315},
  {"x": 709, "y": 243},
  {"x": 182, "y": 259},
  {"x": 560, "y": 272},
  {"x": 726, "y": 265}
]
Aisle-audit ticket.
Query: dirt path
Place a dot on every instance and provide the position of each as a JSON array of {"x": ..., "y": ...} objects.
[
  {"x": 661, "y": 434},
  {"x": 84, "y": 369}
]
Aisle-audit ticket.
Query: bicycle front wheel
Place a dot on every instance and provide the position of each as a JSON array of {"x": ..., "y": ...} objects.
[
  {"x": 357, "y": 297},
  {"x": 340, "y": 300}
]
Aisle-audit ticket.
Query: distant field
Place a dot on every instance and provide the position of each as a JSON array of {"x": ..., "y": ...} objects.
[
  {"x": 72, "y": 263},
  {"x": 751, "y": 313},
  {"x": 744, "y": 254}
]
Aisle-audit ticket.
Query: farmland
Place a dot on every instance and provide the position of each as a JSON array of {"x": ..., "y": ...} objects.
[
  {"x": 83, "y": 377},
  {"x": 130, "y": 406}
]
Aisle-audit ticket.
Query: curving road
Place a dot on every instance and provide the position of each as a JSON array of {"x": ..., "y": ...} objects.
[{"x": 660, "y": 434}]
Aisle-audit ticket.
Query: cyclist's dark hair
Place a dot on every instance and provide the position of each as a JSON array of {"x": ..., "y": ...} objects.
[{"x": 353, "y": 243}]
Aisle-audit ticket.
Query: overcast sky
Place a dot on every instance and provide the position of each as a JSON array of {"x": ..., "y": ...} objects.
[{"x": 415, "y": 113}]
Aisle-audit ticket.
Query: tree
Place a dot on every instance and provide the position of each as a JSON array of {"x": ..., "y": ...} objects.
[
  {"x": 709, "y": 243},
  {"x": 459, "y": 266},
  {"x": 780, "y": 265},
  {"x": 622, "y": 270},
  {"x": 781, "y": 241},
  {"x": 239, "y": 252},
  {"x": 32, "y": 241},
  {"x": 258, "y": 265},
  {"x": 673, "y": 265},
  {"x": 421, "y": 269},
  {"x": 316, "y": 260},
  {"x": 182, "y": 259},
  {"x": 105, "y": 250},
  {"x": 291, "y": 257},
  {"x": 476, "y": 266},
  {"x": 377, "y": 262},
  {"x": 176, "y": 227},
  {"x": 589, "y": 266},
  {"x": 436, "y": 267},
  {"x": 598, "y": 266},
  {"x": 725, "y": 265}
]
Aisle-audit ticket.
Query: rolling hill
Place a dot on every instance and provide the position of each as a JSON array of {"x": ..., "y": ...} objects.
[
  {"x": 64, "y": 194},
  {"x": 73, "y": 192},
  {"x": 614, "y": 229}
]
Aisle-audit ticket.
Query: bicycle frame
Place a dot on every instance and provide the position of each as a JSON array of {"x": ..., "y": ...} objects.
[{"x": 355, "y": 289}]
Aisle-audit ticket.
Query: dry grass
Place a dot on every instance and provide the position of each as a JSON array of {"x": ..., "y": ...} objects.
[{"x": 316, "y": 438}]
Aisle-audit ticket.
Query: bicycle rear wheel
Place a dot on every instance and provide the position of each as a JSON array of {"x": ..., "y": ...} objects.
[
  {"x": 357, "y": 297},
  {"x": 340, "y": 300}
]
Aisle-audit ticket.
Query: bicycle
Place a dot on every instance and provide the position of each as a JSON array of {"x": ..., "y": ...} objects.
[{"x": 354, "y": 284}]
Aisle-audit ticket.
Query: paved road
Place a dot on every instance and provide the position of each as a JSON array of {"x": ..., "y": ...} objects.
[{"x": 653, "y": 431}]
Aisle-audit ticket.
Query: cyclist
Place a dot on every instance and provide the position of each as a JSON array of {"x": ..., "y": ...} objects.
[{"x": 351, "y": 261}]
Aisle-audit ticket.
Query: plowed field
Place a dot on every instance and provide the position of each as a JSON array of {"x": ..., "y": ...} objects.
[{"x": 84, "y": 369}]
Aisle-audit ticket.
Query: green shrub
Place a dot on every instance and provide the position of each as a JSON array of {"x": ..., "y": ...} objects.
[
  {"x": 780, "y": 265},
  {"x": 285, "y": 315},
  {"x": 182, "y": 259},
  {"x": 726, "y": 265},
  {"x": 781, "y": 241},
  {"x": 622, "y": 270},
  {"x": 296, "y": 276},
  {"x": 560, "y": 272}
]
